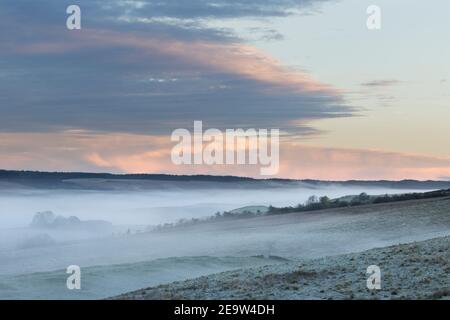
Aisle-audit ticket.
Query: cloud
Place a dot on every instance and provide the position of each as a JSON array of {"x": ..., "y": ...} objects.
[
  {"x": 101, "y": 78},
  {"x": 381, "y": 83},
  {"x": 135, "y": 153},
  {"x": 344, "y": 164},
  {"x": 75, "y": 150},
  {"x": 379, "y": 90},
  {"x": 106, "y": 97},
  {"x": 217, "y": 9}
]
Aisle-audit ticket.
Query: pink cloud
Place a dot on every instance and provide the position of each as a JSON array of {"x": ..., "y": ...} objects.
[
  {"x": 132, "y": 153},
  {"x": 234, "y": 58}
]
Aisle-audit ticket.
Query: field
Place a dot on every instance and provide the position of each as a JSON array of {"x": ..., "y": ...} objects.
[
  {"x": 419, "y": 270},
  {"x": 117, "y": 264}
]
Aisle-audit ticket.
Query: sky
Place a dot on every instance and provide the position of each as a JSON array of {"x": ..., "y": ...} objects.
[{"x": 351, "y": 103}]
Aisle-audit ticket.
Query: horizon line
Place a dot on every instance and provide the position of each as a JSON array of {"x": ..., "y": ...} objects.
[{"x": 205, "y": 175}]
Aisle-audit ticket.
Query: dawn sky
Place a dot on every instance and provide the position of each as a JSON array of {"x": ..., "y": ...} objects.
[{"x": 352, "y": 103}]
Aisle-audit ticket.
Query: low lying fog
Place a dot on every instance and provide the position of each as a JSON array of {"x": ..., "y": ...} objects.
[
  {"x": 153, "y": 207},
  {"x": 100, "y": 230}
]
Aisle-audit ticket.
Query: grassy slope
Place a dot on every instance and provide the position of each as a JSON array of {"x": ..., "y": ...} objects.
[{"x": 419, "y": 270}]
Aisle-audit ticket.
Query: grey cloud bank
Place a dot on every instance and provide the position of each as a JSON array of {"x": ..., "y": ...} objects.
[{"x": 101, "y": 78}]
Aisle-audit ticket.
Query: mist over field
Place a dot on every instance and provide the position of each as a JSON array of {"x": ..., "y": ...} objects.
[
  {"x": 108, "y": 232},
  {"x": 156, "y": 206},
  {"x": 218, "y": 150}
]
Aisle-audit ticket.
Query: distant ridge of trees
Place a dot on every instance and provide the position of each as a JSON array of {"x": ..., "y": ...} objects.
[
  {"x": 322, "y": 203},
  {"x": 312, "y": 204},
  {"x": 18, "y": 175},
  {"x": 56, "y": 179}
]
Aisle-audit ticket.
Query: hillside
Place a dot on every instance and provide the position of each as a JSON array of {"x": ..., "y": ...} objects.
[
  {"x": 298, "y": 237},
  {"x": 419, "y": 270},
  {"x": 84, "y": 180}
]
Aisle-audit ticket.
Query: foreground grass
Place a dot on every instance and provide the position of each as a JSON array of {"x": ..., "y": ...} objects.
[{"x": 419, "y": 270}]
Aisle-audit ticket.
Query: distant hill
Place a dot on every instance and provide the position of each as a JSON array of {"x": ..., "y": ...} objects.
[
  {"x": 70, "y": 180},
  {"x": 250, "y": 209},
  {"x": 83, "y": 180}
]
